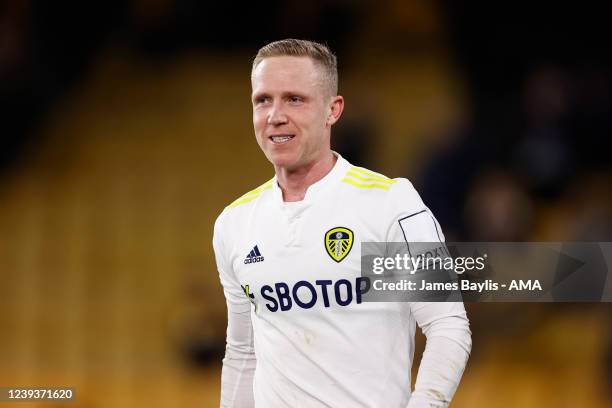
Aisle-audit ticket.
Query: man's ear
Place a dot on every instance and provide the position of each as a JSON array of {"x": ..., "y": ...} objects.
[{"x": 337, "y": 106}]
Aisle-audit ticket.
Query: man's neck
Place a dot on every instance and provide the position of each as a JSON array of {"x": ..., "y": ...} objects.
[{"x": 294, "y": 184}]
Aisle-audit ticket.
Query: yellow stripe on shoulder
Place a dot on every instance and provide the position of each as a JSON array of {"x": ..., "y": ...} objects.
[
  {"x": 363, "y": 178},
  {"x": 365, "y": 185},
  {"x": 251, "y": 195}
]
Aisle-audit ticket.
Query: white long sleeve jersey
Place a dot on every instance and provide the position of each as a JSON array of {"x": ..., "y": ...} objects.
[{"x": 299, "y": 333}]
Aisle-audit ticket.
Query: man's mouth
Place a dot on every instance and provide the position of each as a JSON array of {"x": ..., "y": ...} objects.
[{"x": 279, "y": 139}]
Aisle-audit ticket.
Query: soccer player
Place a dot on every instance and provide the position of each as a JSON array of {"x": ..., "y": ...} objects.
[{"x": 288, "y": 253}]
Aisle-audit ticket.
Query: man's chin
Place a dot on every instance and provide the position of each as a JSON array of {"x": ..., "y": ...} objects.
[{"x": 285, "y": 161}]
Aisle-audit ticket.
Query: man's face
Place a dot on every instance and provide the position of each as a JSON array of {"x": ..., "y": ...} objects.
[{"x": 292, "y": 111}]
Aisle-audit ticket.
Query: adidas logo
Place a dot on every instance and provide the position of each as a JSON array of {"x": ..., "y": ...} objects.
[{"x": 254, "y": 256}]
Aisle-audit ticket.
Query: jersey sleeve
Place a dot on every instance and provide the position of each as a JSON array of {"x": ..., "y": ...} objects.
[
  {"x": 239, "y": 361},
  {"x": 412, "y": 221},
  {"x": 445, "y": 324}
]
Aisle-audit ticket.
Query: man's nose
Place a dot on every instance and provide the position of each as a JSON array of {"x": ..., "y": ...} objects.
[{"x": 276, "y": 115}]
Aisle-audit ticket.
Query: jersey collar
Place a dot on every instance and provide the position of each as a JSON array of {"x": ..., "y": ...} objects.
[{"x": 317, "y": 189}]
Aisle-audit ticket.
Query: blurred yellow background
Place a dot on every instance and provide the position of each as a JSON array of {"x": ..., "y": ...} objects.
[{"x": 108, "y": 282}]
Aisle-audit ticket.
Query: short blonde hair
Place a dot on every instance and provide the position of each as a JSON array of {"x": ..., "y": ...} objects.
[{"x": 291, "y": 47}]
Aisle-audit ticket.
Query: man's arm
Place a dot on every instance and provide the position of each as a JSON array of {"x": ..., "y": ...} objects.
[
  {"x": 239, "y": 362},
  {"x": 446, "y": 327},
  {"x": 447, "y": 349},
  {"x": 445, "y": 324}
]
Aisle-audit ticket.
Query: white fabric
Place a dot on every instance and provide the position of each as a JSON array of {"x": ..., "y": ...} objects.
[{"x": 314, "y": 347}]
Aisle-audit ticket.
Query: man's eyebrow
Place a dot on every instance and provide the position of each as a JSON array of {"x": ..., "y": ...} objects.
[
  {"x": 259, "y": 95},
  {"x": 294, "y": 93},
  {"x": 284, "y": 94}
]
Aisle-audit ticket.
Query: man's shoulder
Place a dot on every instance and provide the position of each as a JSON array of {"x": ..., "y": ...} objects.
[
  {"x": 251, "y": 195},
  {"x": 367, "y": 181},
  {"x": 245, "y": 199},
  {"x": 379, "y": 195},
  {"x": 234, "y": 212}
]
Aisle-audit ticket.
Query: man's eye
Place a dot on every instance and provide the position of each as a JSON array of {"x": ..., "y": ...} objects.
[
  {"x": 261, "y": 100},
  {"x": 295, "y": 99}
]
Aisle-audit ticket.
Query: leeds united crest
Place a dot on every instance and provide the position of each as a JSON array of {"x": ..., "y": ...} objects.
[{"x": 338, "y": 243}]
